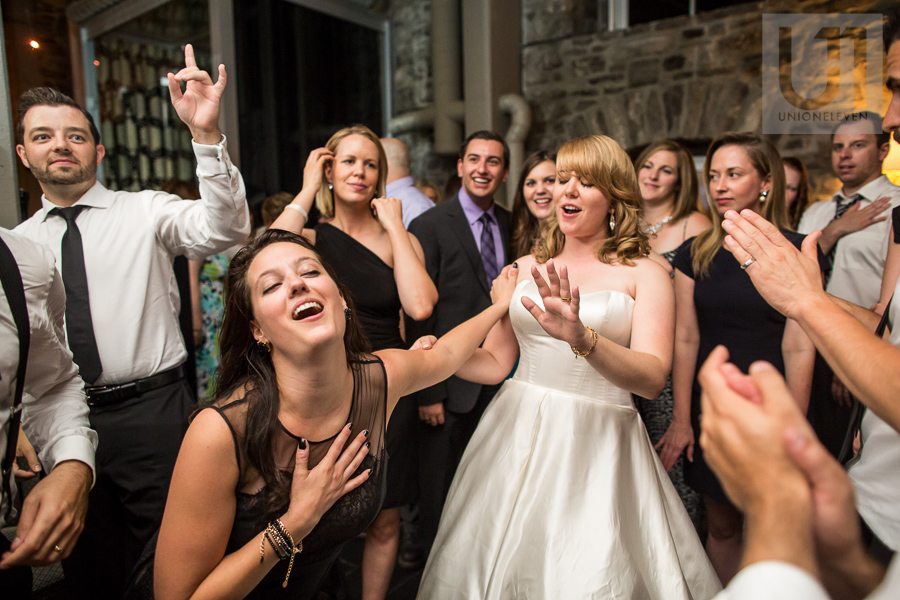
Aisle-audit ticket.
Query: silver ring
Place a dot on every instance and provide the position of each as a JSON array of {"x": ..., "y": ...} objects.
[{"x": 749, "y": 262}]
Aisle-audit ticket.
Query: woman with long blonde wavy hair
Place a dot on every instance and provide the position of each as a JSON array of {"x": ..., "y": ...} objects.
[
  {"x": 560, "y": 493},
  {"x": 717, "y": 304}
]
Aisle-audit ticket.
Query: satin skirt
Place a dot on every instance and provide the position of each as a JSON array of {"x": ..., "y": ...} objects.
[{"x": 562, "y": 496}]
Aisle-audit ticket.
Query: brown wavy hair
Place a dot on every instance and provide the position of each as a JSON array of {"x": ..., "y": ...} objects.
[
  {"x": 525, "y": 226},
  {"x": 325, "y": 196},
  {"x": 767, "y": 162},
  {"x": 796, "y": 210},
  {"x": 687, "y": 194},
  {"x": 599, "y": 160},
  {"x": 243, "y": 366}
]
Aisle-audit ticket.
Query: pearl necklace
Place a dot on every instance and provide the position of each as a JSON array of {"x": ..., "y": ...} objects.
[{"x": 654, "y": 229}]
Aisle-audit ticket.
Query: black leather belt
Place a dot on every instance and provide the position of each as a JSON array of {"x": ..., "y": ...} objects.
[{"x": 104, "y": 395}]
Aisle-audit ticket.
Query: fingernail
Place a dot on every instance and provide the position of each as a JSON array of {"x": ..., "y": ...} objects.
[
  {"x": 302, "y": 444},
  {"x": 761, "y": 365},
  {"x": 515, "y": 265},
  {"x": 366, "y": 433},
  {"x": 367, "y": 444},
  {"x": 368, "y": 472},
  {"x": 349, "y": 426}
]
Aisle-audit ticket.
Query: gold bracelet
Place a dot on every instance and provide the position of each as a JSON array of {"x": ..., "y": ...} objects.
[
  {"x": 594, "y": 336},
  {"x": 295, "y": 549}
]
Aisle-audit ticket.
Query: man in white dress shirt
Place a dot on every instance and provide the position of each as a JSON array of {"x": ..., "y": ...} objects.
[
  {"x": 400, "y": 183},
  {"x": 116, "y": 250},
  {"x": 55, "y": 419}
]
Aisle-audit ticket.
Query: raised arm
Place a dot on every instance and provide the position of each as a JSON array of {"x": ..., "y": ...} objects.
[
  {"x": 679, "y": 437},
  {"x": 641, "y": 368},
  {"x": 412, "y": 370},
  {"x": 221, "y": 218},
  {"x": 418, "y": 295},
  {"x": 295, "y": 218}
]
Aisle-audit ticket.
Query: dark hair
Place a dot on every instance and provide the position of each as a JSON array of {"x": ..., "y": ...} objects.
[
  {"x": 891, "y": 29},
  {"x": 524, "y": 226},
  {"x": 484, "y": 134},
  {"x": 795, "y": 211},
  {"x": 881, "y": 137},
  {"x": 47, "y": 96},
  {"x": 244, "y": 366}
]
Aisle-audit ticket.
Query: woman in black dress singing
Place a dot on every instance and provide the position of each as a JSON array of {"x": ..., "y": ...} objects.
[
  {"x": 362, "y": 236},
  {"x": 716, "y": 303},
  {"x": 287, "y": 465}
]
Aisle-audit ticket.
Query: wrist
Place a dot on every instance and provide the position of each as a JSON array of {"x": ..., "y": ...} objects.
[
  {"x": 586, "y": 343},
  {"x": 208, "y": 137}
]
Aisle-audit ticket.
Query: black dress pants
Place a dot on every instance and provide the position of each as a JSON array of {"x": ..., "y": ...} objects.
[
  {"x": 15, "y": 582},
  {"x": 139, "y": 441},
  {"x": 440, "y": 451}
]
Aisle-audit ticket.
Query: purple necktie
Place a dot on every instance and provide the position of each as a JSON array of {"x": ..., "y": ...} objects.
[{"x": 488, "y": 250}]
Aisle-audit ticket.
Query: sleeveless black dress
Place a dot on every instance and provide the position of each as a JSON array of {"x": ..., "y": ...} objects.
[
  {"x": 349, "y": 516},
  {"x": 729, "y": 312},
  {"x": 374, "y": 291}
]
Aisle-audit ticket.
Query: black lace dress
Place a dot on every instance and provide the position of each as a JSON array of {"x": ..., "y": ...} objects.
[{"x": 349, "y": 516}]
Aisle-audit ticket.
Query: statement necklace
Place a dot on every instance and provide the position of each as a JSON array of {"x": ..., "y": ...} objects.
[{"x": 654, "y": 229}]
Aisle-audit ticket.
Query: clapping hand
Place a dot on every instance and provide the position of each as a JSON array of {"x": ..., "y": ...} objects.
[
  {"x": 561, "y": 305},
  {"x": 198, "y": 105}
]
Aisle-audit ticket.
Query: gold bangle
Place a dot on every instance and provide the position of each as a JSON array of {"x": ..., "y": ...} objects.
[{"x": 594, "y": 336}]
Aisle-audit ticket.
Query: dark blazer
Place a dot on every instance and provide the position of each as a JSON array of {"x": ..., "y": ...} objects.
[{"x": 454, "y": 264}]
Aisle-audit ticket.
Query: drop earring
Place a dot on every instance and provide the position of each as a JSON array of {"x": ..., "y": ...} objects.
[
  {"x": 612, "y": 222},
  {"x": 348, "y": 313},
  {"x": 763, "y": 195}
]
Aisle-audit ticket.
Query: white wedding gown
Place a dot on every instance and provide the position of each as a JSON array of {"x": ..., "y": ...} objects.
[{"x": 560, "y": 494}]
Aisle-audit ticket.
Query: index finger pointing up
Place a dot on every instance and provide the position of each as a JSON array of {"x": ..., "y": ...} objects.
[{"x": 189, "y": 56}]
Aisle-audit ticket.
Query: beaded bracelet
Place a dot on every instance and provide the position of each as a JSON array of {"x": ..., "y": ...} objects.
[{"x": 282, "y": 543}]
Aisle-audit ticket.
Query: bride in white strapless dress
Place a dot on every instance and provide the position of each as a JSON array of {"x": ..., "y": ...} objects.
[{"x": 560, "y": 494}]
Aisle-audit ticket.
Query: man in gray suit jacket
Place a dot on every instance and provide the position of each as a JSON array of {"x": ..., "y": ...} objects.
[{"x": 466, "y": 242}]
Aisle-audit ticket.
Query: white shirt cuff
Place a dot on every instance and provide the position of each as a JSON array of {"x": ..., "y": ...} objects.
[
  {"x": 773, "y": 580},
  {"x": 211, "y": 158}
]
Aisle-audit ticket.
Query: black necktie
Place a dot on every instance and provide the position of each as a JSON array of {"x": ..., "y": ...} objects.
[
  {"x": 842, "y": 205},
  {"x": 488, "y": 251},
  {"x": 79, "y": 326}
]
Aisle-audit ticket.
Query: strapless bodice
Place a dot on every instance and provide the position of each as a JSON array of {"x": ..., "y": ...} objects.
[{"x": 550, "y": 363}]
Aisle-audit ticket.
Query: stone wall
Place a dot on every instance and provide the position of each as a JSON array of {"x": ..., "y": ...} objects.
[{"x": 690, "y": 78}]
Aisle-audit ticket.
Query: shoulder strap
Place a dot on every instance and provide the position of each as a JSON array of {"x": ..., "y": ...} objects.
[{"x": 15, "y": 296}]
